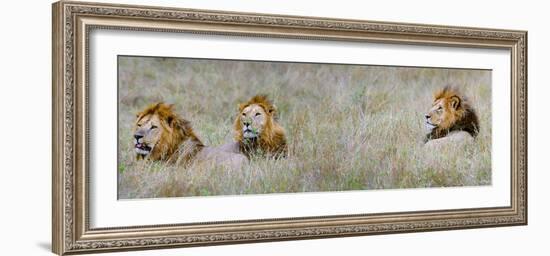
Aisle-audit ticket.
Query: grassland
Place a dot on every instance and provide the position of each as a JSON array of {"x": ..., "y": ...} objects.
[{"x": 349, "y": 127}]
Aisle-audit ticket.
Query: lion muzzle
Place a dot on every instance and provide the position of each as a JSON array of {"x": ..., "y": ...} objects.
[{"x": 249, "y": 132}]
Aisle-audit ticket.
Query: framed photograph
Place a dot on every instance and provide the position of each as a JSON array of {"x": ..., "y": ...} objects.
[{"x": 178, "y": 127}]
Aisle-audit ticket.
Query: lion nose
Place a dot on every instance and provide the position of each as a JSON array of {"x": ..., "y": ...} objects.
[
  {"x": 427, "y": 116},
  {"x": 137, "y": 136},
  {"x": 246, "y": 123}
]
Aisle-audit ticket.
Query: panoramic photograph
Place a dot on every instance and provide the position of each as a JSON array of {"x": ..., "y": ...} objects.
[{"x": 212, "y": 127}]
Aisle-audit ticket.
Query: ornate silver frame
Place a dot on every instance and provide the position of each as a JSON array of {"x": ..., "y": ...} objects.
[{"x": 72, "y": 22}]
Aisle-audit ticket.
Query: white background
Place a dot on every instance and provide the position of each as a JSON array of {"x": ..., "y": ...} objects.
[{"x": 25, "y": 98}]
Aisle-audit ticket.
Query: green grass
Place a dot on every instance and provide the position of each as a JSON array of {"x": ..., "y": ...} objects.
[{"x": 348, "y": 127}]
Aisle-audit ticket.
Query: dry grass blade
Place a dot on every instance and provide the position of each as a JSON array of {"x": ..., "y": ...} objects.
[{"x": 349, "y": 127}]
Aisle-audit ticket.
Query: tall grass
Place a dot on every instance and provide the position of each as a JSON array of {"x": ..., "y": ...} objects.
[{"x": 349, "y": 127}]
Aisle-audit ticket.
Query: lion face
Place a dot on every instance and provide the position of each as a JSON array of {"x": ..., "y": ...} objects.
[
  {"x": 253, "y": 119},
  {"x": 147, "y": 133},
  {"x": 256, "y": 128},
  {"x": 442, "y": 113}
]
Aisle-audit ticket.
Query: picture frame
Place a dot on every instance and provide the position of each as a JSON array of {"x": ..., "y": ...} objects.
[{"x": 72, "y": 210}]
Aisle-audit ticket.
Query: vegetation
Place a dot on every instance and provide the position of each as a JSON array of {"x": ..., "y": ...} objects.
[{"x": 349, "y": 127}]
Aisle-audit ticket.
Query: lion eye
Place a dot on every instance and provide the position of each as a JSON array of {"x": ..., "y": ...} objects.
[
  {"x": 153, "y": 127},
  {"x": 138, "y": 125},
  {"x": 257, "y": 114},
  {"x": 244, "y": 114}
]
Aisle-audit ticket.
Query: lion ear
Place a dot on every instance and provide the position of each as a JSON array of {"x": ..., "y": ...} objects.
[
  {"x": 272, "y": 109},
  {"x": 455, "y": 102},
  {"x": 241, "y": 106}
]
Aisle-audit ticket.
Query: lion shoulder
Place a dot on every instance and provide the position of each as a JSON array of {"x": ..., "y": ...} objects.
[{"x": 225, "y": 155}]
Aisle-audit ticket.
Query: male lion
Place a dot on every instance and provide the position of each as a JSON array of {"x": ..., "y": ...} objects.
[
  {"x": 161, "y": 134},
  {"x": 256, "y": 130},
  {"x": 451, "y": 118}
]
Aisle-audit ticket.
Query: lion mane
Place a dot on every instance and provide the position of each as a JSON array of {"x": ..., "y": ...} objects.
[
  {"x": 457, "y": 114},
  {"x": 272, "y": 138},
  {"x": 175, "y": 132}
]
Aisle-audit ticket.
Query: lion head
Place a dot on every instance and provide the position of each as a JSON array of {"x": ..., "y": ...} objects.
[
  {"x": 450, "y": 112},
  {"x": 256, "y": 128},
  {"x": 159, "y": 133}
]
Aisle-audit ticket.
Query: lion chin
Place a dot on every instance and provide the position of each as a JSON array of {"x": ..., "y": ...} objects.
[
  {"x": 162, "y": 135},
  {"x": 248, "y": 134},
  {"x": 257, "y": 131},
  {"x": 430, "y": 127},
  {"x": 450, "y": 116},
  {"x": 141, "y": 151}
]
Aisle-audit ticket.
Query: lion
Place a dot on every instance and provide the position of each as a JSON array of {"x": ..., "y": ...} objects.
[
  {"x": 162, "y": 135},
  {"x": 451, "y": 118},
  {"x": 256, "y": 129}
]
